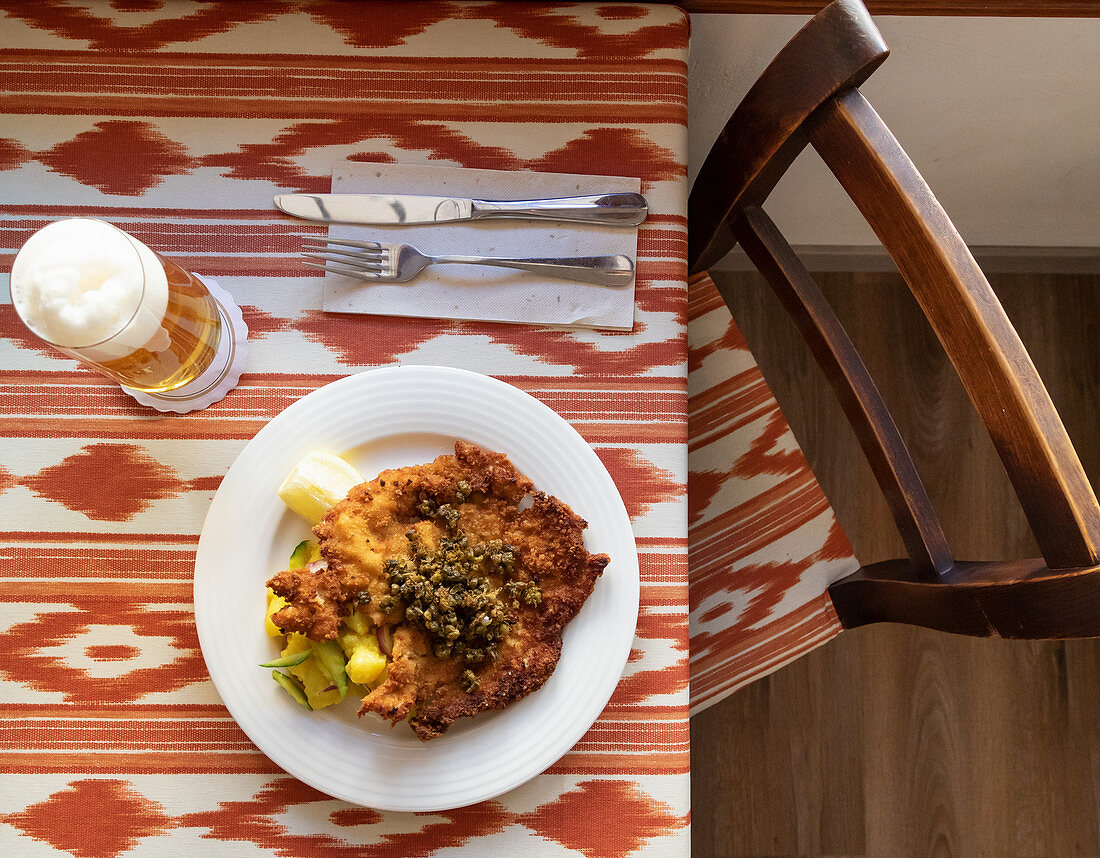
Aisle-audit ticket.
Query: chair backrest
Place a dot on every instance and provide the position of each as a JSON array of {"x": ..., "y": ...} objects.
[{"x": 809, "y": 95}]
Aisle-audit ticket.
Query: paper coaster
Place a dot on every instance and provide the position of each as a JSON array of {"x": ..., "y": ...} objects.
[{"x": 224, "y": 371}]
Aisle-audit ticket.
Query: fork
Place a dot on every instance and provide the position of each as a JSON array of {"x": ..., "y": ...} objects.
[{"x": 399, "y": 263}]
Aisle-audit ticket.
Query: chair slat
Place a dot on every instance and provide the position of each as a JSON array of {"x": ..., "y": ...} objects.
[
  {"x": 975, "y": 332},
  {"x": 837, "y": 49},
  {"x": 1017, "y": 599},
  {"x": 863, "y": 405}
]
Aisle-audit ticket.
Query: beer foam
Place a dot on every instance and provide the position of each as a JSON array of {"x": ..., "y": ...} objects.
[{"x": 79, "y": 282}]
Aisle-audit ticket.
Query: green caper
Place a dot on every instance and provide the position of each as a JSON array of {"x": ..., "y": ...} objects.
[
  {"x": 470, "y": 681},
  {"x": 448, "y": 593}
]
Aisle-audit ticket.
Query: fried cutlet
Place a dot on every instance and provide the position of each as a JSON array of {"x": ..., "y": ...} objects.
[
  {"x": 316, "y": 602},
  {"x": 524, "y": 551}
]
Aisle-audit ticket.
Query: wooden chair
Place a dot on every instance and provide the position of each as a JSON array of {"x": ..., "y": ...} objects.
[{"x": 809, "y": 95}]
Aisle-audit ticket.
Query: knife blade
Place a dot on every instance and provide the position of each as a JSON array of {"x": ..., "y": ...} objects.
[{"x": 385, "y": 209}]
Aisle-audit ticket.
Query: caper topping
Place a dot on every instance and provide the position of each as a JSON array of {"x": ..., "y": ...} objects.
[
  {"x": 427, "y": 507},
  {"x": 470, "y": 681},
  {"x": 447, "y": 592},
  {"x": 449, "y": 514}
]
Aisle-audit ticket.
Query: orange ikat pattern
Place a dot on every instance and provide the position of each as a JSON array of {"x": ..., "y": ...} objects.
[
  {"x": 763, "y": 542},
  {"x": 178, "y": 120}
]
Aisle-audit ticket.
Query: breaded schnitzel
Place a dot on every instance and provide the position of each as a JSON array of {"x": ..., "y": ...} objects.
[{"x": 475, "y": 570}]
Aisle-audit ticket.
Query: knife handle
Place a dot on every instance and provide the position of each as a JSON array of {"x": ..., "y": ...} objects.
[{"x": 608, "y": 209}]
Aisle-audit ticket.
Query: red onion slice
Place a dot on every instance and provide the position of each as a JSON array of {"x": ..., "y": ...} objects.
[{"x": 385, "y": 639}]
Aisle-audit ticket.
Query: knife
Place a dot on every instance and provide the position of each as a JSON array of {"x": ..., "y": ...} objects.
[{"x": 378, "y": 209}]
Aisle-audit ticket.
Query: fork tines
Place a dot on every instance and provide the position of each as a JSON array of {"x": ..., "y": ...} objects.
[{"x": 369, "y": 260}]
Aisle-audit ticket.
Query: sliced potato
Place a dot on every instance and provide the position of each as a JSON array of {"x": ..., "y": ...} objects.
[
  {"x": 309, "y": 674},
  {"x": 274, "y": 604},
  {"x": 357, "y": 623},
  {"x": 365, "y": 660}
]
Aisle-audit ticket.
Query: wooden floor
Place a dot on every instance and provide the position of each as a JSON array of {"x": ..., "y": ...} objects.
[{"x": 892, "y": 741}]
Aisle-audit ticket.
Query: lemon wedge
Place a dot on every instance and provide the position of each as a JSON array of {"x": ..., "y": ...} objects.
[{"x": 316, "y": 483}]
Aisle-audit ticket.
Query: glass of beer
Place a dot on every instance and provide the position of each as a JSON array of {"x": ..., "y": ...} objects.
[{"x": 101, "y": 296}]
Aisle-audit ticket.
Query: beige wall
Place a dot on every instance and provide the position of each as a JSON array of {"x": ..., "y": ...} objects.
[{"x": 1001, "y": 115}]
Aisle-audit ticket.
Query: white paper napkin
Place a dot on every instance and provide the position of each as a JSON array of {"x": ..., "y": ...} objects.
[{"x": 480, "y": 292}]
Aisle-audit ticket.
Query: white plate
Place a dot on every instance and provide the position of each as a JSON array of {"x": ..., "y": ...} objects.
[{"x": 387, "y": 418}]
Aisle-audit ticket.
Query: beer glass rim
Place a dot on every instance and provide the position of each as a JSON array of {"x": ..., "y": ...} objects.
[{"x": 130, "y": 240}]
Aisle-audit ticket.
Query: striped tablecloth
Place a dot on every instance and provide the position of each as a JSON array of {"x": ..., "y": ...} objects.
[{"x": 178, "y": 121}]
